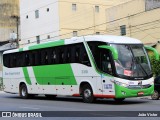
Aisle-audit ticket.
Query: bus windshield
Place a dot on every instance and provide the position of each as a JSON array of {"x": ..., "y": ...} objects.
[{"x": 132, "y": 61}]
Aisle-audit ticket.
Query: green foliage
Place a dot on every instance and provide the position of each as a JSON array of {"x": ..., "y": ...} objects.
[{"x": 155, "y": 66}]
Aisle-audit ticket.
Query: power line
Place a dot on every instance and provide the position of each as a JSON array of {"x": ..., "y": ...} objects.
[
  {"x": 110, "y": 22},
  {"x": 65, "y": 2}
]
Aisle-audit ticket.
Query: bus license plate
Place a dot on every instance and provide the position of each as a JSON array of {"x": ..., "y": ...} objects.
[{"x": 140, "y": 93}]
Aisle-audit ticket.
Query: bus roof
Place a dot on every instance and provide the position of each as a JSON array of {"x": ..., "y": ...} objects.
[{"x": 102, "y": 38}]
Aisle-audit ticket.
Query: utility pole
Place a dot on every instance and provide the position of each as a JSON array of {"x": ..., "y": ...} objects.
[
  {"x": 17, "y": 28},
  {"x": 94, "y": 20}
]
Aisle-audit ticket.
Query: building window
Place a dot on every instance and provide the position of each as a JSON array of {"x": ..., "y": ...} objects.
[
  {"x": 123, "y": 30},
  {"x": 47, "y": 9},
  {"x": 97, "y": 9},
  {"x": 48, "y": 37},
  {"x": 75, "y": 33},
  {"x": 37, "y": 14},
  {"x": 97, "y": 33},
  {"x": 38, "y": 39},
  {"x": 29, "y": 41},
  {"x": 74, "y": 7}
]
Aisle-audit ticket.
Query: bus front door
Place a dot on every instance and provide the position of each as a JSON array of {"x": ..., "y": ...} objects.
[{"x": 106, "y": 76}]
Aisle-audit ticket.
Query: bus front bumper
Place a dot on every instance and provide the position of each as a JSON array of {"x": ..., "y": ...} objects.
[{"x": 123, "y": 92}]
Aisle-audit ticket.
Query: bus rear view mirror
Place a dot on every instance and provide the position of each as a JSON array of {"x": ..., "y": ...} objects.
[
  {"x": 112, "y": 49},
  {"x": 156, "y": 54}
]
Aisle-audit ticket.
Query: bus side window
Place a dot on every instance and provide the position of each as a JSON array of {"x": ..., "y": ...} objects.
[
  {"x": 23, "y": 59},
  {"x": 57, "y": 55},
  {"x": 77, "y": 54},
  {"x": 84, "y": 57},
  {"x": 14, "y": 60},
  {"x": 6, "y": 60},
  {"x": 105, "y": 62},
  {"x": 11, "y": 59},
  {"x": 46, "y": 57},
  {"x": 68, "y": 54},
  {"x": 72, "y": 48},
  {"x": 49, "y": 51},
  {"x": 38, "y": 58},
  {"x": 19, "y": 60},
  {"x": 33, "y": 56},
  {"x": 27, "y": 62},
  {"x": 53, "y": 56},
  {"x": 61, "y": 56},
  {"x": 42, "y": 56}
]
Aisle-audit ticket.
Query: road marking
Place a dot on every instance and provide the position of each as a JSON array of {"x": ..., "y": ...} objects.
[{"x": 29, "y": 108}]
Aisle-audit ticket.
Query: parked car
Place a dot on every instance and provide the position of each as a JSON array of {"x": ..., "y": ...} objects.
[{"x": 156, "y": 94}]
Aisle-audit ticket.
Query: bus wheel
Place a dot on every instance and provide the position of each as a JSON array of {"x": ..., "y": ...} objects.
[
  {"x": 119, "y": 99},
  {"x": 155, "y": 95},
  {"x": 23, "y": 91},
  {"x": 50, "y": 96},
  {"x": 87, "y": 94}
]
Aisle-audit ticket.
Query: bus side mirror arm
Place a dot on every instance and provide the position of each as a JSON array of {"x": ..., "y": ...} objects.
[
  {"x": 156, "y": 54},
  {"x": 112, "y": 49}
]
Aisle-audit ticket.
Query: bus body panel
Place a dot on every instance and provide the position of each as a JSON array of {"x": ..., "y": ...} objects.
[
  {"x": 65, "y": 79},
  {"x": 130, "y": 88}
]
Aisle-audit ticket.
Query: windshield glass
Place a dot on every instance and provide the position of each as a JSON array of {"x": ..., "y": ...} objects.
[{"x": 132, "y": 61}]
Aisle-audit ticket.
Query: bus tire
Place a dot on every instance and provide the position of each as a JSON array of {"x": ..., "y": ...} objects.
[
  {"x": 119, "y": 99},
  {"x": 155, "y": 95},
  {"x": 87, "y": 94},
  {"x": 23, "y": 91},
  {"x": 50, "y": 96}
]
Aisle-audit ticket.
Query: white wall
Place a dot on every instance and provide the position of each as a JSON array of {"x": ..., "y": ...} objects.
[{"x": 46, "y": 24}]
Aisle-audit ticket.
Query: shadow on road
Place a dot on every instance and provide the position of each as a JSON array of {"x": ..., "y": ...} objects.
[{"x": 127, "y": 101}]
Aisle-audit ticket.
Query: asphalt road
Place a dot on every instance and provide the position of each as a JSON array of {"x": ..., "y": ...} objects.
[{"x": 68, "y": 107}]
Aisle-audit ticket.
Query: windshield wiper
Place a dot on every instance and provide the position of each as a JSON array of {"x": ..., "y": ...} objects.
[
  {"x": 138, "y": 61},
  {"x": 140, "y": 65}
]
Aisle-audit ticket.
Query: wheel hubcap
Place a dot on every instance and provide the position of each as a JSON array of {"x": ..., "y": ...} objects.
[
  {"x": 24, "y": 92},
  {"x": 87, "y": 93},
  {"x": 155, "y": 95}
]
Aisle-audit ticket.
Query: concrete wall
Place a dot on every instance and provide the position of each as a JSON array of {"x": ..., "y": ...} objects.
[
  {"x": 46, "y": 24},
  {"x": 61, "y": 21},
  {"x": 140, "y": 24},
  {"x": 84, "y": 20},
  {"x": 8, "y": 8}
]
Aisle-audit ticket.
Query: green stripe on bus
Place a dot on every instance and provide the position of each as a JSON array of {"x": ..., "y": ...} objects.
[
  {"x": 25, "y": 71},
  {"x": 61, "y": 74},
  {"x": 20, "y": 49},
  {"x": 46, "y": 45},
  {"x": 26, "y": 75}
]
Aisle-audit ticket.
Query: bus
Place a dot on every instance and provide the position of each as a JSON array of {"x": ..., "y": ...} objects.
[{"x": 94, "y": 66}]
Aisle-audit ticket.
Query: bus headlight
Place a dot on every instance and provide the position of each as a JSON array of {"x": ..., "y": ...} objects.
[
  {"x": 120, "y": 83},
  {"x": 124, "y": 85}
]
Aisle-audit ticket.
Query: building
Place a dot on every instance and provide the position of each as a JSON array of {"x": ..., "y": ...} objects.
[
  {"x": 9, "y": 11},
  {"x": 43, "y": 20},
  {"x": 138, "y": 19}
]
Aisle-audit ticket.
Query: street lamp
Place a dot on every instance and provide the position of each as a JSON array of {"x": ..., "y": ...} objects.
[{"x": 17, "y": 26}]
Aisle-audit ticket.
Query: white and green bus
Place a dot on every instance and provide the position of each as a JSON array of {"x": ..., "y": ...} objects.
[{"x": 93, "y": 67}]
